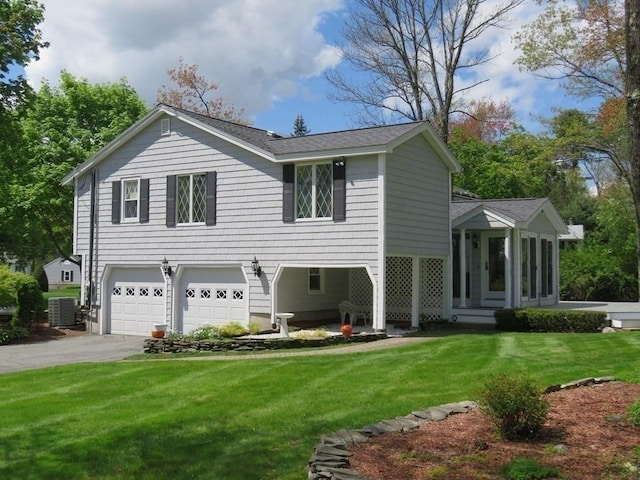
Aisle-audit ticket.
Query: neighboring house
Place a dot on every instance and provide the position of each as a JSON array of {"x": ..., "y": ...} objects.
[
  {"x": 252, "y": 224},
  {"x": 509, "y": 256},
  {"x": 16, "y": 265},
  {"x": 61, "y": 273},
  {"x": 573, "y": 238}
]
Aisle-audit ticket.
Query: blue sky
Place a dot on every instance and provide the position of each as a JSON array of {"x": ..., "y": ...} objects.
[{"x": 268, "y": 56}]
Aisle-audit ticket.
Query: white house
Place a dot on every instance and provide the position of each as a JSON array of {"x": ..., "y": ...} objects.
[
  {"x": 62, "y": 272},
  {"x": 252, "y": 224}
]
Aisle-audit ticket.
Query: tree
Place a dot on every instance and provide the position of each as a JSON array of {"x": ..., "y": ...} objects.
[
  {"x": 62, "y": 127},
  {"x": 20, "y": 42},
  {"x": 632, "y": 39},
  {"x": 580, "y": 42},
  {"x": 486, "y": 120},
  {"x": 593, "y": 46},
  {"x": 194, "y": 93},
  {"x": 518, "y": 166},
  {"x": 410, "y": 52},
  {"x": 300, "y": 127}
]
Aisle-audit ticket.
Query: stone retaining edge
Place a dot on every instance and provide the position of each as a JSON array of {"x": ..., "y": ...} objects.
[
  {"x": 168, "y": 345},
  {"x": 330, "y": 459}
]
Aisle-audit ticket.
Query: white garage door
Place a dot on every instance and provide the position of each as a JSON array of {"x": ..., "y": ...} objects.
[
  {"x": 137, "y": 300},
  {"x": 212, "y": 296}
]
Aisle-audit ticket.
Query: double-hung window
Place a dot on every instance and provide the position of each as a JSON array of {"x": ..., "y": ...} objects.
[
  {"x": 130, "y": 199},
  {"x": 191, "y": 199},
  {"x": 314, "y": 191}
]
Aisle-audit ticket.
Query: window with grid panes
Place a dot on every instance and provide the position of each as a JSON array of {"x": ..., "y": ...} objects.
[
  {"x": 130, "y": 199},
  {"x": 191, "y": 199},
  {"x": 314, "y": 191}
]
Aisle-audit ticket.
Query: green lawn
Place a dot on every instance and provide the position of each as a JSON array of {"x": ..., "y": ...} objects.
[
  {"x": 69, "y": 291},
  {"x": 259, "y": 419}
]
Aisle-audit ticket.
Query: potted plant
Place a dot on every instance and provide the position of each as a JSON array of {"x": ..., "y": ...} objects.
[{"x": 159, "y": 329}]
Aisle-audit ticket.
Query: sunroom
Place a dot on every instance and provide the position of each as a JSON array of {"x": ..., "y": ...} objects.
[{"x": 504, "y": 255}]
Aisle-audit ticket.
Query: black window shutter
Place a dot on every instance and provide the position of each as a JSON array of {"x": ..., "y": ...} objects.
[
  {"x": 71, "y": 276},
  {"x": 115, "y": 201},
  {"x": 144, "y": 200},
  {"x": 211, "y": 198},
  {"x": 62, "y": 275},
  {"x": 288, "y": 184},
  {"x": 171, "y": 201},
  {"x": 339, "y": 190}
]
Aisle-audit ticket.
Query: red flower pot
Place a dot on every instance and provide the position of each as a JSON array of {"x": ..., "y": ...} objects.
[
  {"x": 346, "y": 330},
  {"x": 157, "y": 334}
]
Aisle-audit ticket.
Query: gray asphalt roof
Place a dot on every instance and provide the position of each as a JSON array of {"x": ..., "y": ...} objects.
[
  {"x": 357, "y": 138},
  {"x": 518, "y": 209}
]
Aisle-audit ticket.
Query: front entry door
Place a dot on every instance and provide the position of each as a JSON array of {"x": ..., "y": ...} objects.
[{"x": 493, "y": 269}]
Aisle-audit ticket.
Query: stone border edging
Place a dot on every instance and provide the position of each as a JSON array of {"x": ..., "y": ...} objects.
[
  {"x": 330, "y": 459},
  {"x": 167, "y": 345}
]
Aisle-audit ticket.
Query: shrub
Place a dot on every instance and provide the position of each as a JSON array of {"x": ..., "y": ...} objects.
[
  {"x": 515, "y": 404},
  {"x": 549, "y": 320},
  {"x": 204, "y": 332},
  {"x": 214, "y": 332},
  {"x": 305, "y": 334},
  {"x": 633, "y": 413},
  {"x": 22, "y": 291},
  {"x": 12, "y": 334},
  {"x": 521, "y": 468},
  {"x": 232, "y": 329},
  {"x": 30, "y": 300}
]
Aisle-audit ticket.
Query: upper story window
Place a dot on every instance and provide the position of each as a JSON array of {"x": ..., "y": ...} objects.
[
  {"x": 314, "y": 191},
  {"x": 191, "y": 199},
  {"x": 130, "y": 199}
]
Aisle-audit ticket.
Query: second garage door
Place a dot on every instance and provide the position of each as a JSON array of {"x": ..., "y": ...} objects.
[{"x": 212, "y": 296}]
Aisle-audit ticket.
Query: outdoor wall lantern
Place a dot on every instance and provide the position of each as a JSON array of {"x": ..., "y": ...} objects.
[
  {"x": 166, "y": 268},
  {"x": 255, "y": 267}
]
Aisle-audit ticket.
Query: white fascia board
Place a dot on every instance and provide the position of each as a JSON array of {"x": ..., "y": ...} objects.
[
  {"x": 326, "y": 154},
  {"x": 550, "y": 212},
  {"x": 481, "y": 209}
]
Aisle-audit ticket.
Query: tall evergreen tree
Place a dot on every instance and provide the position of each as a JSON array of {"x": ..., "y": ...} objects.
[{"x": 300, "y": 127}]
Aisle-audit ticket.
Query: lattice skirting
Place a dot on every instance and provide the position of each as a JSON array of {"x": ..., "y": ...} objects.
[{"x": 399, "y": 277}]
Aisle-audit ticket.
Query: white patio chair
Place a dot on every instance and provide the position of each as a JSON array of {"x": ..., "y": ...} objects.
[{"x": 354, "y": 312}]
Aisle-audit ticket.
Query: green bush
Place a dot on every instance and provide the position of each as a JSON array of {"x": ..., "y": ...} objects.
[
  {"x": 12, "y": 335},
  {"x": 515, "y": 404},
  {"x": 549, "y": 320},
  {"x": 214, "y": 332},
  {"x": 521, "y": 468},
  {"x": 633, "y": 413},
  {"x": 30, "y": 300},
  {"x": 21, "y": 291}
]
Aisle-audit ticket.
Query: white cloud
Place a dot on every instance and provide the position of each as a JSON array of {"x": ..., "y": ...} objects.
[{"x": 256, "y": 50}]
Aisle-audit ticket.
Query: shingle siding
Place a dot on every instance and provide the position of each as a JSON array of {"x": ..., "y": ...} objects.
[
  {"x": 249, "y": 211},
  {"x": 417, "y": 201}
]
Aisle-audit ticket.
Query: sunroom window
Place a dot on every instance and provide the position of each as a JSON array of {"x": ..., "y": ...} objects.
[
  {"x": 314, "y": 191},
  {"x": 191, "y": 199}
]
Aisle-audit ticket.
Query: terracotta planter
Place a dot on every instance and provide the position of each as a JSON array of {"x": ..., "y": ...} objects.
[
  {"x": 157, "y": 334},
  {"x": 346, "y": 330}
]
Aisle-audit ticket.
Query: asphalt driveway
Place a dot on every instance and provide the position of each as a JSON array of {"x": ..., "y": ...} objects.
[{"x": 80, "y": 349}]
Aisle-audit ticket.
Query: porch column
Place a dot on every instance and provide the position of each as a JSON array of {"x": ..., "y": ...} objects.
[
  {"x": 379, "y": 322},
  {"x": 507, "y": 269},
  {"x": 463, "y": 268}
]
